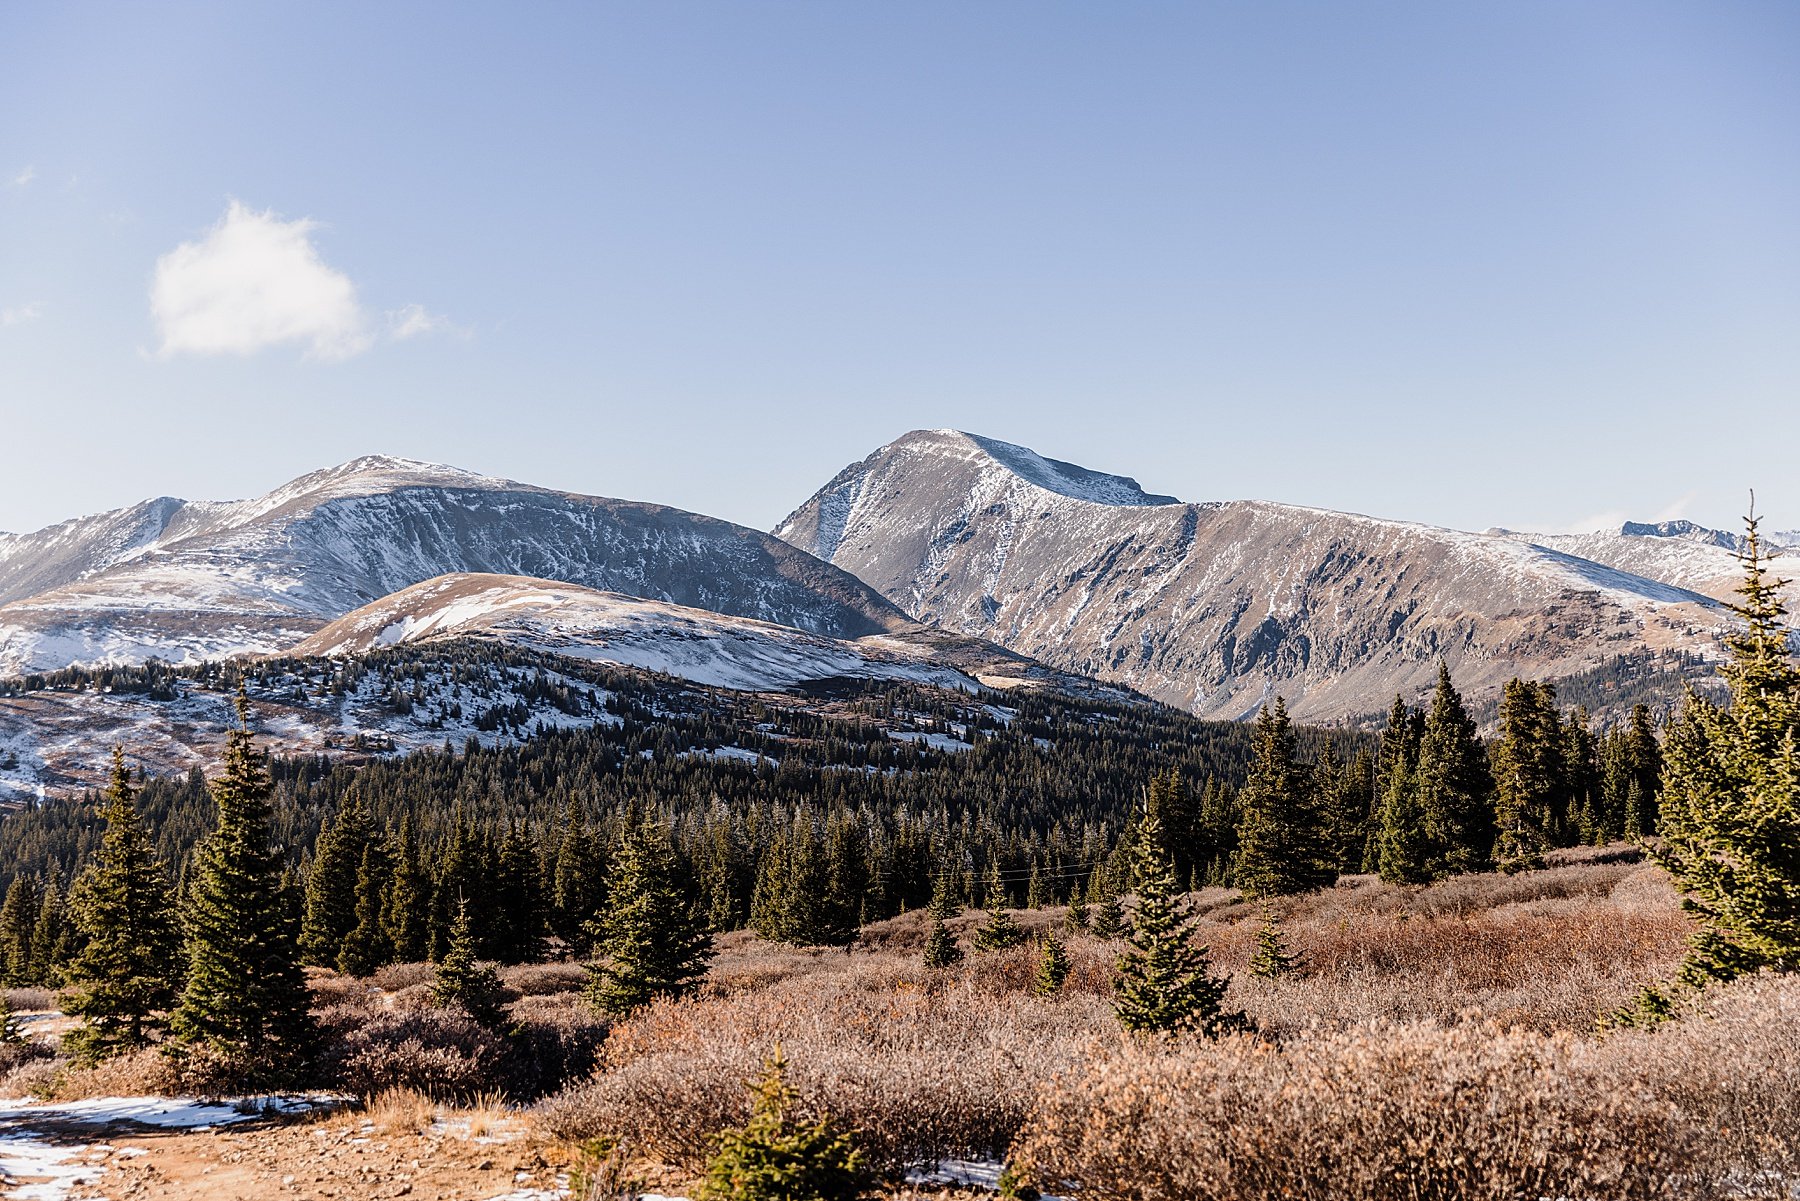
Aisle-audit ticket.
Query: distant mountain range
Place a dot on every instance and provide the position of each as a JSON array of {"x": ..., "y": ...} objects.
[
  {"x": 943, "y": 557},
  {"x": 1218, "y": 606}
]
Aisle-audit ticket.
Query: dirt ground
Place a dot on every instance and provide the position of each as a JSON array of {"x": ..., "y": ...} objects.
[{"x": 319, "y": 1159}]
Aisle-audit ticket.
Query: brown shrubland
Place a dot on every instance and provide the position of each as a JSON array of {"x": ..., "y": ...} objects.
[{"x": 1438, "y": 1042}]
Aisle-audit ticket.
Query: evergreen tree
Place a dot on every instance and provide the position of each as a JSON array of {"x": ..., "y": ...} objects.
[
  {"x": 1731, "y": 799},
  {"x": 1643, "y": 760},
  {"x": 10, "y": 1033},
  {"x": 51, "y": 937},
  {"x": 1000, "y": 931},
  {"x": 1454, "y": 785},
  {"x": 1078, "y": 917},
  {"x": 128, "y": 967},
  {"x": 519, "y": 900},
  {"x": 246, "y": 1001},
  {"x": 1164, "y": 982},
  {"x": 18, "y": 921},
  {"x": 1272, "y": 956},
  {"x": 578, "y": 886},
  {"x": 651, "y": 941},
  {"x": 774, "y": 1158},
  {"x": 331, "y": 900},
  {"x": 1528, "y": 776},
  {"x": 460, "y": 979},
  {"x": 941, "y": 950},
  {"x": 1109, "y": 919},
  {"x": 1053, "y": 965},
  {"x": 367, "y": 948},
  {"x": 846, "y": 883},
  {"x": 1281, "y": 832},
  {"x": 1402, "y": 850},
  {"x": 406, "y": 912}
]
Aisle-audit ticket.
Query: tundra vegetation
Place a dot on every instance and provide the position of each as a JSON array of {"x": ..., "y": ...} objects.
[{"x": 1558, "y": 964}]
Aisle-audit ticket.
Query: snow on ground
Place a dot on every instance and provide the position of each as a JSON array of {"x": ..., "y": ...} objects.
[
  {"x": 936, "y": 741},
  {"x": 53, "y": 1165}
]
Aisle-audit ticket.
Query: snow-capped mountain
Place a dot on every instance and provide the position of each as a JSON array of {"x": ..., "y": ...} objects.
[
  {"x": 184, "y": 580},
  {"x": 1216, "y": 606},
  {"x": 1675, "y": 552}
]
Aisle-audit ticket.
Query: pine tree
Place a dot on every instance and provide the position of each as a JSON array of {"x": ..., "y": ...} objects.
[
  {"x": 1281, "y": 833},
  {"x": 1527, "y": 775},
  {"x": 1454, "y": 786},
  {"x": 51, "y": 941},
  {"x": 1000, "y": 931},
  {"x": 460, "y": 979},
  {"x": 578, "y": 886},
  {"x": 1078, "y": 916},
  {"x": 1109, "y": 919},
  {"x": 367, "y": 948},
  {"x": 1731, "y": 798},
  {"x": 846, "y": 882},
  {"x": 941, "y": 950},
  {"x": 331, "y": 899},
  {"x": 128, "y": 967},
  {"x": 1053, "y": 965},
  {"x": 1272, "y": 956},
  {"x": 406, "y": 912},
  {"x": 774, "y": 1158},
  {"x": 18, "y": 921},
  {"x": 1164, "y": 982},
  {"x": 246, "y": 1001},
  {"x": 519, "y": 900},
  {"x": 651, "y": 940},
  {"x": 1402, "y": 850}
]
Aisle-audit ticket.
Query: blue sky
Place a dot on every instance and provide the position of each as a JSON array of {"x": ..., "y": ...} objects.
[{"x": 1524, "y": 264}]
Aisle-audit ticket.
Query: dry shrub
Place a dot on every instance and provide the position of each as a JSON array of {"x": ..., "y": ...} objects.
[
  {"x": 396, "y": 976},
  {"x": 30, "y": 1000},
  {"x": 556, "y": 1038},
  {"x": 441, "y": 1053},
  {"x": 33, "y": 1077},
  {"x": 921, "y": 1070},
  {"x": 1732, "y": 1068},
  {"x": 1392, "y": 1113},
  {"x": 540, "y": 979},
  {"x": 144, "y": 1072},
  {"x": 397, "y": 1111}
]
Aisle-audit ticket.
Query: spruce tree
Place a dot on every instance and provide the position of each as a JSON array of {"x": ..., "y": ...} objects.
[
  {"x": 128, "y": 968},
  {"x": 406, "y": 913},
  {"x": 1078, "y": 917},
  {"x": 1528, "y": 775},
  {"x": 651, "y": 939},
  {"x": 460, "y": 979},
  {"x": 331, "y": 899},
  {"x": 10, "y": 1033},
  {"x": 1164, "y": 982},
  {"x": 246, "y": 1001},
  {"x": 366, "y": 948},
  {"x": 1731, "y": 799},
  {"x": 1053, "y": 965},
  {"x": 578, "y": 883},
  {"x": 1281, "y": 830},
  {"x": 1109, "y": 919},
  {"x": 1273, "y": 958},
  {"x": 999, "y": 932},
  {"x": 941, "y": 950},
  {"x": 775, "y": 1158},
  {"x": 1455, "y": 789},
  {"x": 1402, "y": 850},
  {"x": 18, "y": 921},
  {"x": 51, "y": 937}
]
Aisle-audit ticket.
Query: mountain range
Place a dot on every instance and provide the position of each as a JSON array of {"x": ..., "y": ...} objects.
[{"x": 943, "y": 555}]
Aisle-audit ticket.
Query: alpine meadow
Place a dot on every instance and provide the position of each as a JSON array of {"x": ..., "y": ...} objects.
[{"x": 793, "y": 795}]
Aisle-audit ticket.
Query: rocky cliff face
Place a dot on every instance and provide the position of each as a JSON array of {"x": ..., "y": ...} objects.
[
  {"x": 1215, "y": 607},
  {"x": 188, "y": 580}
]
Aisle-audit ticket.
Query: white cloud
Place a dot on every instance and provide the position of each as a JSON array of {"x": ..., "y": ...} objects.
[
  {"x": 24, "y": 177},
  {"x": 20, "y": 314},
  {"x": 412, "y": 321},
  {"x": 255, "y": 281},
  {"x": 1598, "y": 523},
  {"x": 1677, "y": 509}
]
